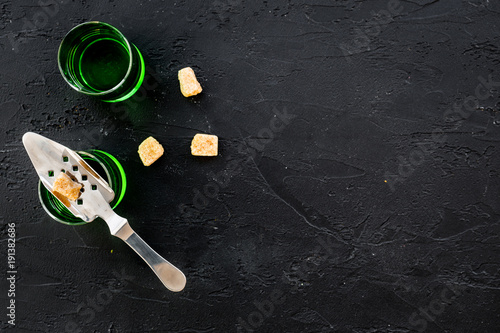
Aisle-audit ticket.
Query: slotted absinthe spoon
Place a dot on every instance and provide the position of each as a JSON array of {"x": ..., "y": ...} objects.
[{"x": 49, "y": 158}]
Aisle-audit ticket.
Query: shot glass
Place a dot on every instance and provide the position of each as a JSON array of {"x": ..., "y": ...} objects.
[
  {"x": 97, "y": 60},
  {"x": 107, "y": 166}
]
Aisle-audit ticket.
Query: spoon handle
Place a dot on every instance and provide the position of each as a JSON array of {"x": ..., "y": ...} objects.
[{"x": 168, "y": 274}]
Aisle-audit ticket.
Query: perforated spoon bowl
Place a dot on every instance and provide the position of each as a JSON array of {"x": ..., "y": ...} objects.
[{"x": 49, "y": 158}]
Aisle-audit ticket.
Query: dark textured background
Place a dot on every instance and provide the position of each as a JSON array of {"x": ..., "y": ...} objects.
[{"x": 354, "y": 217}]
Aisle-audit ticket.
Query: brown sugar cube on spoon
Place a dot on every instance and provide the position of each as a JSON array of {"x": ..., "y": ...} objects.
[
  {"x": 204, "y": 145},
  {"x": 67, "y": 187},
  {"x": 150, "y": 150}
]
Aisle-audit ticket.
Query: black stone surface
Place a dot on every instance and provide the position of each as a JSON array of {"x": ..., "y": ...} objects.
[{"x": 374, "y": 207}]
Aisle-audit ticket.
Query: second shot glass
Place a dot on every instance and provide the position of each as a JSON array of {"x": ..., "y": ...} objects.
[{"x": 107, "y": 166}]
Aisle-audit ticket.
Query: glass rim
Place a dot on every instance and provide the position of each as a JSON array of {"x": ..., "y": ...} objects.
[
  {"x": 130, "y": 63},
  {"x": 40, "y": 186},
  {"x": 119, "y": 166}
]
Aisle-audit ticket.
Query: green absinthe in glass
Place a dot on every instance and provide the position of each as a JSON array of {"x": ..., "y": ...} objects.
[
  {"x": 96, "y": 59},
  {"x": 103, "y": 64},
  {"x": 106, "y": 166}
]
